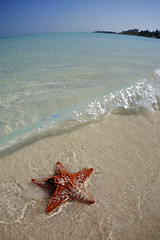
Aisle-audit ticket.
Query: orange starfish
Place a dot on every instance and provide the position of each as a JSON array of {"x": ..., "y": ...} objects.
[{"x": 64, "y": 186}]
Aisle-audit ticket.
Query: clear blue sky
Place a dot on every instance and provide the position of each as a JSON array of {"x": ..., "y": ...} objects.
[{"x": 18, "y": 17}]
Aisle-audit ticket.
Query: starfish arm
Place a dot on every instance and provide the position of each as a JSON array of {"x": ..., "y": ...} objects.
[
  {"x": 81, "y": 176},
  {"x": 61, "y": 195},
  {"x": 80, "y": 194},
  {"x": 60, "y": 168},
  {"x": 46, "y": 183},
  {"x": 41, "y": 182}
]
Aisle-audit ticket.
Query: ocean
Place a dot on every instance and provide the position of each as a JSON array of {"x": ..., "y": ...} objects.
[
  {"x": 49, "y": 79},
  {"x": 86, "y": 100}
]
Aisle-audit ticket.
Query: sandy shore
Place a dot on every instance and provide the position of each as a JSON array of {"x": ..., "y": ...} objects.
[{"x": 124, "y": 151}]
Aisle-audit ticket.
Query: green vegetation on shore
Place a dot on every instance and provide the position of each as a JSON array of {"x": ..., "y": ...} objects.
[
  {"x": 146, "y": 33},
  {"x": 136, "y": 32}
]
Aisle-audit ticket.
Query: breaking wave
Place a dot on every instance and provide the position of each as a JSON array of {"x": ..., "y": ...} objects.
[{"x": 144, "y": 94}]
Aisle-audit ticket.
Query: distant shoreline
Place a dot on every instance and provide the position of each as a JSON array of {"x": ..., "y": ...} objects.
[
  {"x": 105, "y": 32},
  {"x": 135, "y": 32}
]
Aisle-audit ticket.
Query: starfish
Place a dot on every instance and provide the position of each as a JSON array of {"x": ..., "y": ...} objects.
[{"x": 64, "y": 186}]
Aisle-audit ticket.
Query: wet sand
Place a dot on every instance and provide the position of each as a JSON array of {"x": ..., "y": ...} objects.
[{"x": 124, "y": 151}]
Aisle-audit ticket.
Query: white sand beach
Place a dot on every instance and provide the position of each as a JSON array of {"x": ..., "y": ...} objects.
[{"x": 124, "y": 151}]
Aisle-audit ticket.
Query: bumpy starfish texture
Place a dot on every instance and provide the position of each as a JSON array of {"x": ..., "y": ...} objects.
[{"x": 64, "y": 186}]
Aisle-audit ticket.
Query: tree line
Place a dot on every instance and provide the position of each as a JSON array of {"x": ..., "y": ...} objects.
[{"x": 146, "y": 33}]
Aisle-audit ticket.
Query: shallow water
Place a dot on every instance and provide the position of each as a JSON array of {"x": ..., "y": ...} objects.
[
  {"x": 124, "y": 151},
  {"x": 86, "y": 100},
  {"x": 52, "y": 78}
]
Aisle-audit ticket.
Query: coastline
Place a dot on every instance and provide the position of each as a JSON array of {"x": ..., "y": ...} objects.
[
  {"x": 124, "y": 151},
  {"x": 135, "y": 32}
]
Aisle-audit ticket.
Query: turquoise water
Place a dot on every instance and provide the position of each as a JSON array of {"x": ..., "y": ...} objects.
[{"x": 50, "y": 79}]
